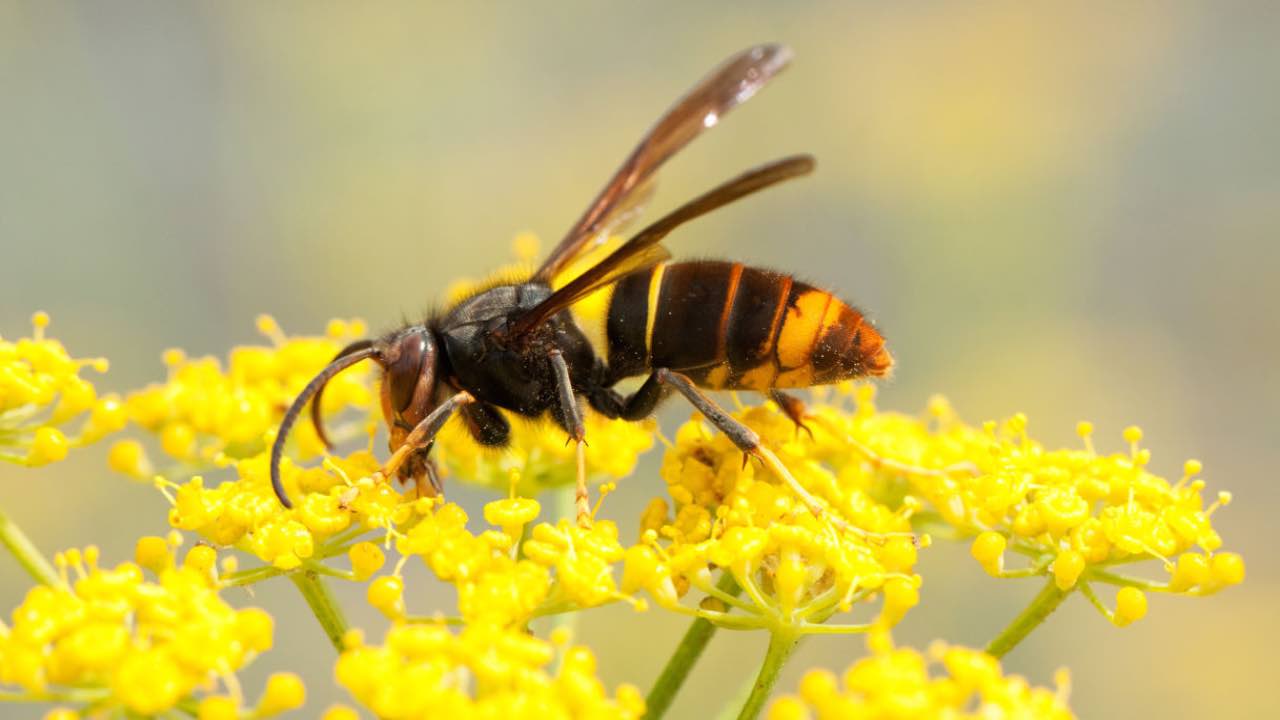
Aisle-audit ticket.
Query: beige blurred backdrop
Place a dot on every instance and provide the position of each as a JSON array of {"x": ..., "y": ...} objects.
[{"x": 1070, "y": 212}]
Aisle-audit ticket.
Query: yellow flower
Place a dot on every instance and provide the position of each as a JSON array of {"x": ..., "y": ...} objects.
[
  {"x": 284, "y": 692},
  {"x": 795, "y": 569},
  {"x": 427, "y": 671},
  {"x": 244, "y": 513},
  {"x": 41, "y": 393},
  {"x": 204, "y": 413},
  {"x": 1075, "y": 514},
  {"x": 560, "y": 567},
  {"x": 493, "y": 585},
  {"x": 125, "y": 641},
  {"x": 950, "y": 682},
  {"x": 583, "y": 559}
]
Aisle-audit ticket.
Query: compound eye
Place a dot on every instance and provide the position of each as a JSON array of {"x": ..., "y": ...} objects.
[{"x": 404, "y": 368}]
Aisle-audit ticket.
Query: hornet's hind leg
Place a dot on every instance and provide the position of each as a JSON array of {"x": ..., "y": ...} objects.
[
  {"x": 793, "y": 407},
  {"x": 643, "y": 401},
  {"x": 745, "y": 438}
]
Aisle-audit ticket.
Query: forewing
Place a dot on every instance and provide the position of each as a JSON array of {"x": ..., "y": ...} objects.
[
  {"x": 643, "y": 249},
  {"x": 726, "y": 87}
]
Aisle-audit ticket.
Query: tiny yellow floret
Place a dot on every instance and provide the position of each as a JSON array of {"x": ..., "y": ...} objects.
[
  {"x": 1228, "y": 568},
  {"x": 50, "y": 445},
  {"x": 129, "y": 458},
  {"x": 511, "y": 512},
  {"x": 366, "y": 559},
  {"x": 153, "y": 553},
  {"x": 284, "y": 692},
  {"x": 387, "y": 595},
  {"x": 988, "y": 549},
  {"x": 1067, "y": 568},
  {"x": 1133, "y": 434},
  {"x": 1131, "y": 606}
]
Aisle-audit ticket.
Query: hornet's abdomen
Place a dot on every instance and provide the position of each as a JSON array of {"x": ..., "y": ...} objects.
[{"x": 732, "y": 327}]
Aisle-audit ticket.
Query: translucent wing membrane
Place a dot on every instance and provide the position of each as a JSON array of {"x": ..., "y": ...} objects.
[
  {"x": 643, "y": 250},
  {"x": 729, "y": 85}
]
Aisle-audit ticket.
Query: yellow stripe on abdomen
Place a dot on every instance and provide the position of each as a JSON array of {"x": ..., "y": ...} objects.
[
  {"x": 655, "y": 294},
  {"x": 800, "y": 328}
]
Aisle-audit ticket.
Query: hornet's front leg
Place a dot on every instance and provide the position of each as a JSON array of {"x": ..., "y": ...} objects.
[
  {"x": 571, "y": 418},
  {"x": 423, "y": 435}
]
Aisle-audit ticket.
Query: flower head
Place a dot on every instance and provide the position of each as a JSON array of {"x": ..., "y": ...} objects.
[
  {"x": 560, "y": 566},
  {"x": 126, "y": 641},
  {"x": 205, "y": 414},
  {"x": 795, "y": 568},
  {"x": 338, "y": 497},
  {"x": 951, "y": 682},
  {"x": 424, "y": 670},
  {"x": 1075, "y": 514},
  {"x": 42, "y": 394},
  {"x": 493, "y": 585}
]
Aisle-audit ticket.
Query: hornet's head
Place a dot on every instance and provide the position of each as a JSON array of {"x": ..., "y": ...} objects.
[{"x": 409, "y": 361}]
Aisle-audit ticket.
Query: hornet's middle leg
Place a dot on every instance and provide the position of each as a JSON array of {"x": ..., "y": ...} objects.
[{"x": 571, "y": 418}]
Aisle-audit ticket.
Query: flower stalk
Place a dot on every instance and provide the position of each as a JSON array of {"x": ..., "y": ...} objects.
[
  {"x": 781, "y": 644},
  {"x": 686, "y": 654},
  {"x": 1041, "y": 606},
  {"x": 28, "y": 556},
  {"x": 323, "y": 605}
]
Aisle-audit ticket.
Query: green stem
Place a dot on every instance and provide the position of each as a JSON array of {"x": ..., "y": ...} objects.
[
  {"x": 322, "y": 603},
  {"x": 1042, "y": 605},
  {"x": 781, "y": 644},
  {"x": 26, "y": 552},
  {"x": 1123, "y": 580},
  {"x": 684, "y": 657}
]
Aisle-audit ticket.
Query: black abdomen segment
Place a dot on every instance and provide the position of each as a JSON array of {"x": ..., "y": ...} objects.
[{"x": 693, "y": 304}]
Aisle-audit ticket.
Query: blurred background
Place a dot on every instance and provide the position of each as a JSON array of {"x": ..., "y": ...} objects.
[{"x": 1070, "y": 212}]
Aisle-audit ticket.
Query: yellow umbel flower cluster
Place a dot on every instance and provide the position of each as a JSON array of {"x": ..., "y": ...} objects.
[
  {"x": 111, "y": 638},
  {"x": 41, "y": 392},
  {"x": 898, "y": 683},
  {"x": 338, "y": 501},
  {"x": 1075, "y": 514},
  {"x": 427, "y": 671},
  {"x": 795, "y": 569},
  {"x": 204, "y": 414},
  {"x": 1079, "y": 514},
  {"x": 493, "y": 586},
  {"x": 560, "y": 567}
]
